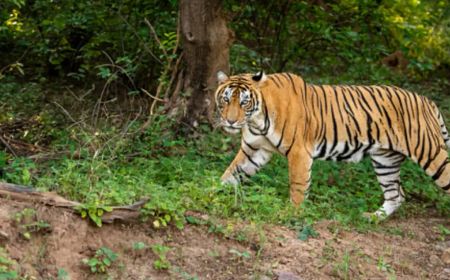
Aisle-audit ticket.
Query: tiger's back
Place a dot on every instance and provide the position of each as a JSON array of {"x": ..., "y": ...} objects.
[{"x": 354, "y": 120}]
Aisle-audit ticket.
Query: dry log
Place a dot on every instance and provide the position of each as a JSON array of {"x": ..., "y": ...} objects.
[{"x": 126, "y": 213}]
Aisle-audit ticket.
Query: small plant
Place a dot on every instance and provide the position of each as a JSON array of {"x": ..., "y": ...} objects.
[
  {"x": 102, "y": 260},
  {"x": 6, "y": 266},
  {"x": 164, "y": 212},
  {"x": 139, "y": 246},
  {"x": 183, "y": 274},
  {"x": 307, "y": 232},
  {"x": 20, "y": 171},
  {"x": 161, "y": 252},
  {"x": 343, "y": 267},
  {"x": 443, "y": 231},
  {"x": 63, "y": 275},
  {"x": 28, "y": 223},
  {"x": 384, "y": 266},
  {"x": 94, "y": 211},
  {"x": 241, "y": 255}
]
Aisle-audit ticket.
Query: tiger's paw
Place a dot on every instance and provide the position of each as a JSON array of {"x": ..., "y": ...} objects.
[{"x": 229, "y": 180}]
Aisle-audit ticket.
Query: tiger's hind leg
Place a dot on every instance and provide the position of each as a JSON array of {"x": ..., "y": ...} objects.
[
  {"x": 387, "y": 167},
  {"x": 438, "y": 167}
]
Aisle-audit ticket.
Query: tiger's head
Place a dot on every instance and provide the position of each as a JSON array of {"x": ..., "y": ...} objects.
[{"x": 238, "y": 99}]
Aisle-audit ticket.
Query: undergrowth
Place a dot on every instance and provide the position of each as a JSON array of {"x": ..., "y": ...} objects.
[{"x": 180, "y": 174}]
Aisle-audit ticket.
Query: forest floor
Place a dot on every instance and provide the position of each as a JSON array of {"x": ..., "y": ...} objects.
[{"x": 52, "y": 242}]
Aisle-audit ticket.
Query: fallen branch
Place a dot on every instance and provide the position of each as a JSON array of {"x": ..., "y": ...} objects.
[{"x": 126, "y": 213}]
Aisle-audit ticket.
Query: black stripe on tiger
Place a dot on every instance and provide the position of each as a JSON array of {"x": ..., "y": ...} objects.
[{"x": 250, "y": 158}]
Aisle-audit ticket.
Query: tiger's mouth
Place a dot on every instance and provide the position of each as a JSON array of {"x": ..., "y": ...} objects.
[{"x": 233, "y": 129}]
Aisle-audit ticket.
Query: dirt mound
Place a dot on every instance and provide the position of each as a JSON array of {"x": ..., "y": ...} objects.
[{"x": 46, "y": 242}]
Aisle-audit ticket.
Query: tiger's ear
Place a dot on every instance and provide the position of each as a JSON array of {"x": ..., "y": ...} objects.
[
  {"x": 221, "y": 77},
  {"x": 260, "y": 78}
]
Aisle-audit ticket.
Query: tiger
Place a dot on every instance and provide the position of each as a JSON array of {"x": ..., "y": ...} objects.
[{"x": 281, "y": 113}]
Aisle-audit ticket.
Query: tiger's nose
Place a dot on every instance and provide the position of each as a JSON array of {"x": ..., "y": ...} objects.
[{"x": 231, "y": 122}]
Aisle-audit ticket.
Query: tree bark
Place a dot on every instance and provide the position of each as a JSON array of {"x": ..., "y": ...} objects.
[
  {"x": 206, "y": 41},
  {"x": 126, "y": 213}
]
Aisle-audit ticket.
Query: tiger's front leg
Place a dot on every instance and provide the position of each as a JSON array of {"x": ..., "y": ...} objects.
[
  {"x": 300, "y": 162},
  {"x": 246, "y": 163}
]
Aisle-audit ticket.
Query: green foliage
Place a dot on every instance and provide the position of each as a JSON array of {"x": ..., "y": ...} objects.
[
  {"x": 343, "y": 267},
  {"x": 29, "y": 224},
  {"x": 63, "y": 275},
  {"x": 94, "y": 211},
  {"x": 84, "y": 40},
  {"x": 444, "y": 232},
  {"x": 334, "y": 37},
  {"x": 241, "y": 255},
  {"x": 161, "y": 263},
  {"x": 101, "y": 261},
  {"x": 20, "y": 171},
  {"x": 7, "y": 271},
  {"x": 421, "y": 28},
  {"x": 137, "y": 246},
  {"x": 306, "y": 232},
  {"x": 163, "y": 209},
  {"x": 80, "y": 37}
]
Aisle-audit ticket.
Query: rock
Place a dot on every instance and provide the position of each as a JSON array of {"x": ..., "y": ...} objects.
[
  {"x": 3, "y": 236},
  {"x": 442, "y": 246},
  {"x": 445, "y": 274},
  {"x": 446, "y": 256},
  {"x": 260, "y": 277},
  {"x": 435, "y": 260},
  {"x": 286, "y": 275}
]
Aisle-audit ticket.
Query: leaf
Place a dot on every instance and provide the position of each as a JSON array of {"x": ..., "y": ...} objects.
[
  {"x": 139, "y": 246},
  {"x": 96, "y": 219},
  {"x": 108, "y": 253},
  {"x": 63, "y": 275},
  {"x": 92, "y": 262},
  {"x": 99, "y": 212},
  {"x": 193, "y": 220},
  {"x": 156, "y": 224},
  {"x": 8, "y": 275},
  {"x": 107, "y": 261},
  {"x": 179, "y": 224},
  {"x": 27, "y": 235},
  {"x": 167, "y": 217}
]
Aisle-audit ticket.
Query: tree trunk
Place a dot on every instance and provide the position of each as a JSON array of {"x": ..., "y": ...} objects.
[{"x": 206, "y": 41}]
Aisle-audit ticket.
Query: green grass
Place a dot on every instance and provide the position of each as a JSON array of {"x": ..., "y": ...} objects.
[{"x": 190, "y": 180}]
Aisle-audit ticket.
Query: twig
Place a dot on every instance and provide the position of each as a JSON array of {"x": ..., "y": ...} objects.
[
  {"x": 156, "y": 36},
  {"x": 65, "y": 112},
  {"x": 172, "y": 78},
  {"x": 8, "y": 146},
  {"x": 152, "y": 96},
  {"x": 137, "y": 35},
  {"x": 113, "y": 64}
]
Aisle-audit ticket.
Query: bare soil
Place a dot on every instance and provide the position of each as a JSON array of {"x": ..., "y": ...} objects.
[{"x": 406, "y": 248}]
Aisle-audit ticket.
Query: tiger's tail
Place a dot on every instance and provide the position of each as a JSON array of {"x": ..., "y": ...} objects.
[{"x": 444, "y": 131}]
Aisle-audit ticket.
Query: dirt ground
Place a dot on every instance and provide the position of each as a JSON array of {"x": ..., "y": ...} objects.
[{"x": 409, "y": 248}]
